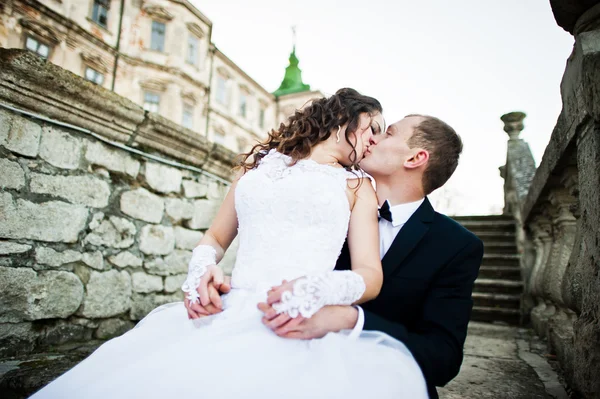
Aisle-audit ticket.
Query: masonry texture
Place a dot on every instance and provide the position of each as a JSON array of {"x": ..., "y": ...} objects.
[{"x": 92, "y": 237}]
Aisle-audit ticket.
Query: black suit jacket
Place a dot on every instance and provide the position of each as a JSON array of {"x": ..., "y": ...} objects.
[{"x": 425, "y": 301}]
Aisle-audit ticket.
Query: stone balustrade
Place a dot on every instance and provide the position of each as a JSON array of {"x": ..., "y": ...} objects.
[
  {"x": 100, "y": 206},
  {"x": 557, "y": 209}
]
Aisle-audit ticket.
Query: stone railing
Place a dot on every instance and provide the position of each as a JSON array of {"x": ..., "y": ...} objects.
[
  {"x": 560, "y": 211},
  {"x": 100, "y": 206}
]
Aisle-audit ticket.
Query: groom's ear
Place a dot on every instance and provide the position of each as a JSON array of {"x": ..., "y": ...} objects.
[{"x": 420, "y": 158}]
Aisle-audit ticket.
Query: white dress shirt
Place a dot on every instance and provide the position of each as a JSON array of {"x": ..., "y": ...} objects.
[{"x": 387, "y": 233}]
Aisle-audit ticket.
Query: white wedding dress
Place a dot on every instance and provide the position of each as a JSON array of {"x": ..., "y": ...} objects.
[{"x": 293, "y": 221}]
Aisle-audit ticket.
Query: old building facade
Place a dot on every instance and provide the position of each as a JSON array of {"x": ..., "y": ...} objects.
[{"x": 158, "y": 54}]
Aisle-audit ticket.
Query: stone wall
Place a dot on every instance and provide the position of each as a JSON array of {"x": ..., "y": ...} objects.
[
  {"x": 97, "y": 219},
  {"x": 560, "y": 212}
]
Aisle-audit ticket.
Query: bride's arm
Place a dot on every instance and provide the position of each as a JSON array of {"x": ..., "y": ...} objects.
[
  {"x": 211, "y": 249},
  {"x": 363, "y": 240},
  {"x": 306, "y": 295}
]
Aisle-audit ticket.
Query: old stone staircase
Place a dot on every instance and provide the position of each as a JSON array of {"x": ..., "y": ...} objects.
[{"x": 498, "y": 288}]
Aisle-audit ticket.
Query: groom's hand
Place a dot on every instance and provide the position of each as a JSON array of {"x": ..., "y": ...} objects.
[
  {"x": 214, "y": 306},
  {"x": 328, "y": 319}
]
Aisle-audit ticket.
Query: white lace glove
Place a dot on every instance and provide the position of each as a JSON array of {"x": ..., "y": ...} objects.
[
  {"x": 311, "y": 293},
  {"x": 202, "y": 257}
]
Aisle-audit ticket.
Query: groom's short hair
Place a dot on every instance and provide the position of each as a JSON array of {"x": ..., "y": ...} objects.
[{"x": 444, "y": 146}]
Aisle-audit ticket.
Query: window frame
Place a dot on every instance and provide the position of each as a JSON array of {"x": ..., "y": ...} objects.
[
  {"x": 157, "y": 104},
  {"x": 97, "y": 73},
  {"x": 97, "y": 4},
  {"x": 39, "y": 43},
  {"x": 154, "y": 44}
]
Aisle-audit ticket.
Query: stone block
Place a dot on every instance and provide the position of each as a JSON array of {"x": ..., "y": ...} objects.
[
  {"x": 174, "y": 283},
  {"x": 156, "y": 239},
  {"x": 5, "y": 124},
  {"x": 142, "y": 204},
  {"x": 192, "y": 189},
  {"x": 112, "y": 328},
  {"x": 7, "y": 248},
  {"x": 95, "y": 260},
  {"x": 112, "y": 159},
  {"x": 107, "y": 294},
  {"x": 115, "y": 232},
  {"x": 51, "y": 221},
  {"x": 179, "y": 209},
  {"x": 204, "y": 213},
  {"x": 186, "y": 239},
  {"x": 145, "y": 283},
  {"x": 216, "y": 190},
  {"x": 175, "y": 263},
  {"x": 83, "y": 190},
  {"x": 62, "y": 333},
  {"x": 16, "y": 338},
  {"x": 24, "y": 137},
  {"x": 143, "y": 304},
  {"x": 11, "y": 175},
  {"x": 27, "y": 295},
  {"x": 125, "y": 259},
  {"x": 162, "y": 178},
  {"x": 50, "y": 257},
  {"x": 60, "y": 149}
]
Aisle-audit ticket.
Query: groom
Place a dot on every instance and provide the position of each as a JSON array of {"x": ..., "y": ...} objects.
[{"x": 430, "y": 262}]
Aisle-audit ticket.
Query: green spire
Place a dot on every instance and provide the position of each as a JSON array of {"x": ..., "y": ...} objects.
[{"x": 292, "y": 81}]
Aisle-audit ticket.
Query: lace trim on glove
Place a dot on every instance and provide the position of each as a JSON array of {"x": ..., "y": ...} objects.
[
  {"x": 311, "y": 293},
  {"x": 202, "y": 257}
]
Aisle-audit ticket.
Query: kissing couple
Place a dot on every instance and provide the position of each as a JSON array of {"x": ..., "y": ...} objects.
[{"x": 347, "y": 283}]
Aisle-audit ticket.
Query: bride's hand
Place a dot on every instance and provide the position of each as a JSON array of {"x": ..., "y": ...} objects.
[
  {"x": 275, "y": 293},
  {"x": 212, "y": 285}
]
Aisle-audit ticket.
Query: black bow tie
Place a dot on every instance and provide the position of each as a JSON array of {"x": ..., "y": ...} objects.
[{"x": 384, "y": 211}]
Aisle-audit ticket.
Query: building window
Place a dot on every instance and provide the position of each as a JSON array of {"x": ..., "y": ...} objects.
[
  {"x": 151, "y": 101},
  {"x": 222, "y": 90},
  {"x": 100, "y": 12},
  {"x": 219, "y": 137},
  {"x": 261, "y": 117},
  {"x": 157, "y": 41},
  {"x": 37, "y": 47},
  {"x": 193, "y": 46},
  {"x": 187, "y": 119},
  {"x": 243, "y": 104},
  {"x": 94, "y": 76}
]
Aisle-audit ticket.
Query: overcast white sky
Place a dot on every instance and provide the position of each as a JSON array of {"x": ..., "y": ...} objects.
[{"x": 466, "y": 62}]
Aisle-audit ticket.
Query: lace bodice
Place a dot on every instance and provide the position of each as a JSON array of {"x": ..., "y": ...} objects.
[{"x": 293, "y": 220}]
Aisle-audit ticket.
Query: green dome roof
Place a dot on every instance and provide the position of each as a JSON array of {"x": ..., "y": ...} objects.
[{"x": 292, "y": 81}]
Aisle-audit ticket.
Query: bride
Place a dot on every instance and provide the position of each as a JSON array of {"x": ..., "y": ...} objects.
[{"x": 300, "y": 194}]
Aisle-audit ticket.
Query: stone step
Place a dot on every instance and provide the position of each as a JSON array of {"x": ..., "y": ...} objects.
[
  {"x": 501, "y": 272},
  {"x": 496, "y": 300},
  {"x": 500, "y": 260},
  {"x": 478, "y": 227},
  {"x": 483, "y": 218},
  {"x": 508, "y": 247},
  {"x": 488, "y": 314},
  {"x": 498, "y": 286}
]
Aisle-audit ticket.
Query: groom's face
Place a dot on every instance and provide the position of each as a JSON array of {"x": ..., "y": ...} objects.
[{"x": 389, "y": 150}]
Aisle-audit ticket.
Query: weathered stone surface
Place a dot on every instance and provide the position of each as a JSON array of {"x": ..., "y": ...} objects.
[
  {"x": 162, "y": 178},
  {"x": 175, "y": 263},
  {"x": 11, "y": 174},
  {"x": 5, "y": 124},
  {"x": 204, "y": 213},
  {"x": 145, "y": 283},
  {"x": 95, "y": 260},
  {"x": 216, "y": 190},
  {"x": 63, "y": 332},
  {"x": 52, "y": 221},
  {"x": 144, "y": 304},
  {"x": 107, "y": 294},
  {"x": 60, "y": 149},
  {"x": 115, "y": 232},
  {"x": 186, "y": 239},
  {"x": 113, "y": 328},
  {"x": 179, "y": 209},
  {"x": 16, "y": 337},
  {"x": 125, "y": 259},
  {"x": 27, "y": 295},
  {"x": 174, "y": 283},
  {"x": 142, "y": 204},
  {"x": 84, "y": 190},
  {"x": 113, "y": 160},
  {"x": 193, "y": 189},
  {"x": 23, "y": 137},
  {"x": 156, "y": 239},
  {"x": 50, "y": 257},
  {"x": 7, "y": 247}
]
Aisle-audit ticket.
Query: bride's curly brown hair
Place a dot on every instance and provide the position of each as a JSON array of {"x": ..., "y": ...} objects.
[{"x": 313, "y": 124}]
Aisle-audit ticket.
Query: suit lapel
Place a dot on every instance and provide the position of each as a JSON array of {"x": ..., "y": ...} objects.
[{"x": 408, "y": 237}]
